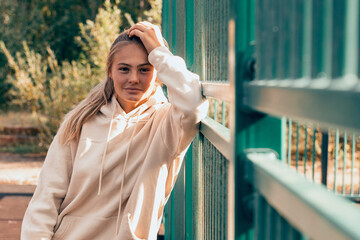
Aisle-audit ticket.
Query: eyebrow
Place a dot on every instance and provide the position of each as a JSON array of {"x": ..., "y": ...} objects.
[{"x": 140, "y": 65}]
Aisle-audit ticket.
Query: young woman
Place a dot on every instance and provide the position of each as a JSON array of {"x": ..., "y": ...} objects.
[{"x": 113, "y": 163}]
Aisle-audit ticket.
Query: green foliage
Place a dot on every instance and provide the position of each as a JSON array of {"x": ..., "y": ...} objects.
[
  {"x": 39, "y": 23},
  {"x": 55, "y": 23},
  {"x": 64, "y": 44},
  {"x": 96, "y": 37},
  {"x": 142, "y": 10},
  {"x": 153, "y": 14},
  {"x": 50, "y": 88}
]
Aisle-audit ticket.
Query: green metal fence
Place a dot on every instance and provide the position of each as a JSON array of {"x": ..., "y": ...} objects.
[{"x": 282, "y": 80}]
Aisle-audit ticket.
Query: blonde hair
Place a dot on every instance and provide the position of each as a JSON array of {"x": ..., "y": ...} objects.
[{"x": 100, "y": 95}]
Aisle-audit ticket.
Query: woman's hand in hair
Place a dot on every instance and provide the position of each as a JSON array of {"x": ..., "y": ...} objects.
[{"x": 149, "y": 34}]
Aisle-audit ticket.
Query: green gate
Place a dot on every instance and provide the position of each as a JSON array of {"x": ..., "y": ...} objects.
[{"x": 282, "y": 80}]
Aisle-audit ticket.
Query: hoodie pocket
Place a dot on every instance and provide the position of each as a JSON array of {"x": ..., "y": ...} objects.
[
  {"x": 63, "y": 228},
  {"x": 87, "y": 227}
]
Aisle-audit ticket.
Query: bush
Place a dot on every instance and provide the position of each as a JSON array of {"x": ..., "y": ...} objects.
[{"x": 49, "y": 88}]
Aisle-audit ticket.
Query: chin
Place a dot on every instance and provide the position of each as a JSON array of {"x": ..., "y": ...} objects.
[{"x": 134, "y": 99}]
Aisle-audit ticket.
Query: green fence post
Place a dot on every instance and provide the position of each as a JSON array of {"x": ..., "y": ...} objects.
[
  {"x": 250, "y": 130},
  {"x": 189, "y": 57}
]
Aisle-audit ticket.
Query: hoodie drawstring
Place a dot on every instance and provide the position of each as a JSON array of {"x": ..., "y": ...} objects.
[
  {"x": 106, "y": 145},
  {"x": 123, "y": 173},
  {"x": 125, "y": 162}
]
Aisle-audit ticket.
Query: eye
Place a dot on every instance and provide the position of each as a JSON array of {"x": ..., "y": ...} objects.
[
  {"x": 123, "y": 69},
  {"x": 144, "y": 70}
]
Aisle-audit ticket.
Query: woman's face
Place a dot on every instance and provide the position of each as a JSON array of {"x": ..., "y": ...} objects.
[{"x": 133, "y": 76}]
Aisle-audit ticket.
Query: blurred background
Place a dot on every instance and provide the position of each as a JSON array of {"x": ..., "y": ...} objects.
[{"x": 52, "y": 52}]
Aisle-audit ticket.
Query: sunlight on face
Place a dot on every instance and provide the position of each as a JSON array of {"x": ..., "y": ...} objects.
[{"x": 133, "y": 76}]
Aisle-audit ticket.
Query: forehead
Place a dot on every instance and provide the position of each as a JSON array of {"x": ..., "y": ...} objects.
[{"x": 131, "y": 53}]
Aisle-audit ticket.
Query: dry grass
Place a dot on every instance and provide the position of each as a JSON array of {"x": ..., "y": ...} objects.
[{"x": 13, "y": 118}]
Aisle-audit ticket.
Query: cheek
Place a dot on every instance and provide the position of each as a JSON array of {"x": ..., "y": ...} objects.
[{"x": 149, "y": 80}]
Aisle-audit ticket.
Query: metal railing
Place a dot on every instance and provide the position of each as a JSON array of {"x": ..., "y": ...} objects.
[
  {"x": 202, "y": 212},
  {"x": 300, "y": 79}
]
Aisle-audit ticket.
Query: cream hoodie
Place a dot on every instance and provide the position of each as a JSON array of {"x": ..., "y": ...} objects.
[{"x": 127, "y": 160}]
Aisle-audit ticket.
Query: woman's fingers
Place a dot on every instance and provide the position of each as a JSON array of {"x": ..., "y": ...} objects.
[
  {"x": 149, "y": 34},
  {"x": 139, "y": 26},
  {"x": 136, "y": 32}
]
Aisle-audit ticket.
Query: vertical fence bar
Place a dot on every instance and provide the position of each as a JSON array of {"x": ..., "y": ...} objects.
[
  {"x": 268, "y": 221},
  {"x": 314, "y": 152},
  {"x": 189, "y": 194},
  {"x": 353, "y": 145},
  {"x": 307, "y": 45},
  {"x": 223, "y": 113},
  {"x": 280, "y": 40},
  {"x": 217, "y": 197},
  {"x": 338, "y": 42},
  {"x": 327, "y": 39},
  {"x": 198, "y": 187},
  {"x": 336, "y": 159},
  {"x": 352, "y": 41},
  {"x": 274, "y": 36},
  {"x": 260, "y": 37},
  {"x": 305, "y": 148},
  {"x": 267, "y": 66},
  {"x": 189, "y": 175},
  {"x": 289, "y": 141},
  {"x": 296, "y": 65},
  {"x": 212, "y": 186},
  {"x": 206, "y": 193},
  {"x": 215, "y": 109},
  {"x": 317, "y": 40},
  {"x": 359, "y": 174},
  {"x": 260, "y": 217},
  {"x": 344, "y": 162},
  {"x": 297, "y": 145},
  {"x": 284, "y": 142},
  {"x": 324, "y": 157},
  {"x": 278, "y": 226},
  {"x": 284, "y": 229}
]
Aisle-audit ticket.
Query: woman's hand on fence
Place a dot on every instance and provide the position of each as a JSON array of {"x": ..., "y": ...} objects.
[{"x": 149, "y": 34}]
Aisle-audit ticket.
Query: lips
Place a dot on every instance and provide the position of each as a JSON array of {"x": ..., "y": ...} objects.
[{"x": 134, "y": 90}]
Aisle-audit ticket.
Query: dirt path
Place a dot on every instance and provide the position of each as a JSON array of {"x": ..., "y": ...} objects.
[
  {"x": 20, "y": 169},
  {"x": 18, "y": 176}
]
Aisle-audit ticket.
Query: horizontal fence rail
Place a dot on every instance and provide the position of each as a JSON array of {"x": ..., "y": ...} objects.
[
  {"x": 221, "y": 91},
  {"x": 326, "y": 106},
  {"x": 310, "y": 208},
  {"x": 218, "y": 135}
]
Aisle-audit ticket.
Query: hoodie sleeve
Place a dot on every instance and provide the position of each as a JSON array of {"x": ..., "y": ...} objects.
[
  {"x": 42, "y": 212},
  {"x": 188, "y": 106}
]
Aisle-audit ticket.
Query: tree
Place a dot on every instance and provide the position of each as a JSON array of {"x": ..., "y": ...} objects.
[
  {"x": 55, "y": 23},
  {"x": 50, "y": 88}
]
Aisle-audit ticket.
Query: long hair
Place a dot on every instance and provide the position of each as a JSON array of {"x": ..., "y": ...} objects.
[{"x": 100, "y": 95}]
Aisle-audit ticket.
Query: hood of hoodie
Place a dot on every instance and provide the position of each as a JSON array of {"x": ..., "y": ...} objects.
[{"x": 114, "y": 110}]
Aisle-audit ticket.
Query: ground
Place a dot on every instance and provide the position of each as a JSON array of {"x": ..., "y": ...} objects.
[
  {"x": 19, "y": 168},
  {"x": 18, "y": 175}
]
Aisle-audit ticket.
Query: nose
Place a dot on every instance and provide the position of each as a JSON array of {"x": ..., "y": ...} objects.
[{"x": 133, "y": 77}]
